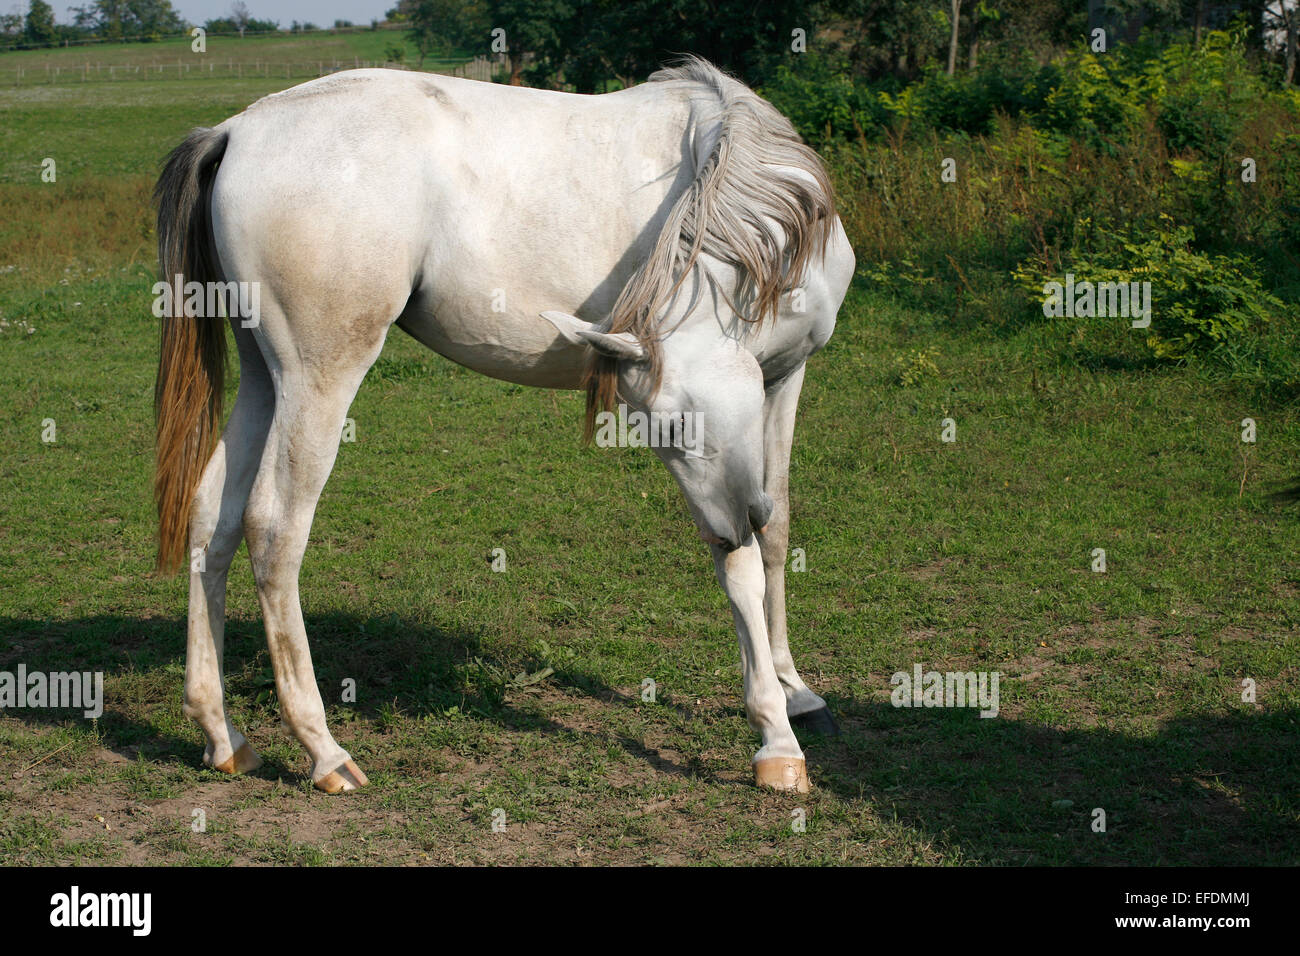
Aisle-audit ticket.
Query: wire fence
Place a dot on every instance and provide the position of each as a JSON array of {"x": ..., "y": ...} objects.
[
  {"x": 201, "y": 66},
  {"x": 17, "y": 43}
]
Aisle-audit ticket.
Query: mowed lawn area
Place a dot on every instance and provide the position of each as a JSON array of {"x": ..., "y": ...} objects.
[{"x": 521, "y": 690}]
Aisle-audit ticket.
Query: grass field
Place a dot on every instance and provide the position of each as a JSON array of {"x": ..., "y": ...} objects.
[
  {"x": 316, "y": 48},
  {"x": 1120, "y": 690}
]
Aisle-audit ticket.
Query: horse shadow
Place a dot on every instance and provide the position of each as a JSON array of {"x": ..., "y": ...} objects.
[
  {"x": 391, "y": 663},
  {"x": 1200, "y": 789}
]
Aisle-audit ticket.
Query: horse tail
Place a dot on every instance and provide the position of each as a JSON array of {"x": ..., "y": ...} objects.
[
  {"x": 760, "y": 199},
  {"x": 192, "y": 353}
]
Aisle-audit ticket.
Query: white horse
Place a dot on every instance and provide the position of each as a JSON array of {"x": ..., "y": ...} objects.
[{"x": 673, "y": 245}]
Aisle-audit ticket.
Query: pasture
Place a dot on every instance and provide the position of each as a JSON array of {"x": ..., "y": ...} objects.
[
  {"x": 520, "y": 690},
  {"x": 253, "y": 53}
]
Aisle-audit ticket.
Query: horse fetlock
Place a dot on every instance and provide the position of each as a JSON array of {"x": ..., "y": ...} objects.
[
  {"x": 765, "y": 712},
  {"x": 800, "y": 700}
]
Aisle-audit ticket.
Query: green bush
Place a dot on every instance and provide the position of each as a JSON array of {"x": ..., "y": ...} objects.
[
  {"x": 1198, "y": 302},
  {"x": 823, "y": 102},
  {"x": 1159, "y": 161}
]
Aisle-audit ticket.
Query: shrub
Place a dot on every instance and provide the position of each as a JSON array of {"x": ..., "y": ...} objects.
[
  {"x": 824, "y": 103},
  {"x": 1123, "y": 166},
  {"x": 1198, "y": 302}
]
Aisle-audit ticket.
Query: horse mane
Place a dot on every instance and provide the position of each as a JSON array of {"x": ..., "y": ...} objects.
[{"x": 760, "y": 200}]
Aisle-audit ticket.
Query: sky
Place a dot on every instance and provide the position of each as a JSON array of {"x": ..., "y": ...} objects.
[
  {"x": 320, "y": 12},
  {"x": 323, "y": 13}
]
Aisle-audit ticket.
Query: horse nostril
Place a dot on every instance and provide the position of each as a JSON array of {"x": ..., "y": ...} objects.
[{"x": 760, "y": 512}]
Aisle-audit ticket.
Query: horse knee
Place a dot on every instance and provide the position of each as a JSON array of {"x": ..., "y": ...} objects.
[{"x": 774, "y": 543}]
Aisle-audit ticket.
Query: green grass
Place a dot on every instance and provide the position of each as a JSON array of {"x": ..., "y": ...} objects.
[
  {"x": 1119, "y": 690},
  {"x": 324, "y": 48}
]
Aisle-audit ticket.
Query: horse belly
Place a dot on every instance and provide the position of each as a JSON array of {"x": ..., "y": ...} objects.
[{"x": 517, "y": 348}]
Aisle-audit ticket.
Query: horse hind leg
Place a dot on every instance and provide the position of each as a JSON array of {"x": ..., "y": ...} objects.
[
  {"x": 215, "y": 532},
  {"x": 301, "y": 448}
]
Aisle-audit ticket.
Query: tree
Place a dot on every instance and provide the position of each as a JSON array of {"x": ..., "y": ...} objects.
[
  {"x": 228, "y": 27},
  {"x": 952, "y": 39},
  {"x": 982, "y": 19},
  {"x": 531, "y": 26},
  {"x": 1286, "y": 20},
  {"x": 437, "y": 25},
  {"x": 629, "y": 39},
  {"x": 154, "y": 18},
  {"x": 240, "y": 16},
  {"x": 115, "y": 19},
  {"x": 440, "y": 24},
  {"x": 890, "y": 37},
  {"x": 39, "y": 27},
  {"x": 11, "y": 29}
]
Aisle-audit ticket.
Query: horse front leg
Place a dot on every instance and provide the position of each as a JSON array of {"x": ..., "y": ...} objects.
[
  {"x": 779, "y": 763},
  {"x": 804, "y": 708}
]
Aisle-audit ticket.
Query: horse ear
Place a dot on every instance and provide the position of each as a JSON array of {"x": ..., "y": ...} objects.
[
  {"x": 569, "y": 326},
  {"x": 619, "y": 345}
]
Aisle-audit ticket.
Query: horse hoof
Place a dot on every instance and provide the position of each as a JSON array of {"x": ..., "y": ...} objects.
[
  {"x": 819, "y": 721},
  {"x": 346, "y": 777},
  {"x": 243, "y": 760},
  {"x": 786, "y": 774}
]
